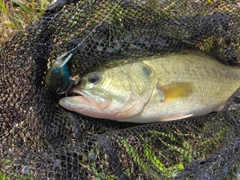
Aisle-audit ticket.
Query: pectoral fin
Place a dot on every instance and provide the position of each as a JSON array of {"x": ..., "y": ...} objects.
[
  {"x": 176, "y": 90},
  {"x": 175, "y": 117}
]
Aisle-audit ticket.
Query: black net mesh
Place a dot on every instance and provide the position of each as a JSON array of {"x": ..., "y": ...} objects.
[{"x": 41, "y": 140}]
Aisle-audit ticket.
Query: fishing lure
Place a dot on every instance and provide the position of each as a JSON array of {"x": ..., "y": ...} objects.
[{"x": 58, "y": 76}]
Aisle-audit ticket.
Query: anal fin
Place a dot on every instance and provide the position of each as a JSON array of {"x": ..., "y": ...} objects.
[
  {"x": 218, "y": 108},
  {"x": 175, "y": 117}
]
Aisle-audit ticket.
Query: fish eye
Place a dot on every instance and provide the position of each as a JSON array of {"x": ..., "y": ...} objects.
[{"x": 94, "y": 78}]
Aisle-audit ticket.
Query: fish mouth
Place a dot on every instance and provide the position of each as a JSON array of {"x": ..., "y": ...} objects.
[{"x": 82, "y": 98}]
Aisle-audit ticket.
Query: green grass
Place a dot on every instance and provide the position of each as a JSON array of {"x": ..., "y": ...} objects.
[
  {"x": 3, "y": 176},
  {"x": 16, "y": 15}
]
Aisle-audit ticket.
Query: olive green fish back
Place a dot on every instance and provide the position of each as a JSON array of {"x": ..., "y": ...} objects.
[{"x": 41, "y": 140}]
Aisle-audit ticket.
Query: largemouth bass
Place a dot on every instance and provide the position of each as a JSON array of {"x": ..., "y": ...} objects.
[{"x": 158, "y": 88}]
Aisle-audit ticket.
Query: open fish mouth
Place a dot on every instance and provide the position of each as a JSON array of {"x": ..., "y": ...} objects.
[
  {"x": 80, "y": 99},
  {"x": 84, "y": 98}
]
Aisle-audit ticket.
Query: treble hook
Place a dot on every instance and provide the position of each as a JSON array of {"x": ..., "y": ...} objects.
[{"x": 73, "y": 81}]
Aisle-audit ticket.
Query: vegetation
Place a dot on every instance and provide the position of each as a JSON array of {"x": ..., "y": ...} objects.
[{"x": 16, "y": 15}]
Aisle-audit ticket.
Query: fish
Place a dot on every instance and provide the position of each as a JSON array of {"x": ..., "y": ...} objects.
[{"x": 158, "y": 88}]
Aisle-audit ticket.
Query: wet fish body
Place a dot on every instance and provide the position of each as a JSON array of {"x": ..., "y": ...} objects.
[{"x": 158, "y": 88}]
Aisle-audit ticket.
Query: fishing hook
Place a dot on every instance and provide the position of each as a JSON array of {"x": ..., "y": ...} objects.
[{"x": 73, "y": 81}]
